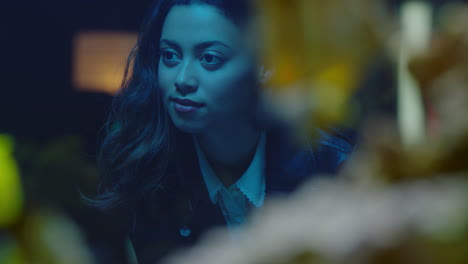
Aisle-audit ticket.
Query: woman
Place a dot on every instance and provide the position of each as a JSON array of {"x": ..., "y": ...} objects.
[{"x": 183, "y": 150}]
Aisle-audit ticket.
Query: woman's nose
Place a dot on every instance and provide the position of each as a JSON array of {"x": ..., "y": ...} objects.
[{"x": 186, "y": 82}]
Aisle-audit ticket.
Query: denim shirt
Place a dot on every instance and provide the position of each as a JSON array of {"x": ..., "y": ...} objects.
[{"x": 178, "y": 215}]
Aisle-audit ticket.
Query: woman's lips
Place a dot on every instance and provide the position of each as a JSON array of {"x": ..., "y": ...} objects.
[
  {"x": 186, "y": 105},
  {"x": 184, "y": 108}
]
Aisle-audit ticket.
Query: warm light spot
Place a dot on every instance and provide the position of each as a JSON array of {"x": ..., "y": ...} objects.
[{"x": 99, "y": 60}]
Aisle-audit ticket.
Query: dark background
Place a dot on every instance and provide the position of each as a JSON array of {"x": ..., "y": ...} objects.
[{"x": 37, "y": 97}]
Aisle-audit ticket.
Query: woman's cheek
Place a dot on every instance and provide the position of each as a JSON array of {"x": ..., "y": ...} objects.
[
  {"x": 240, "y": 86},
  {"x": 163, "y": 81},
  {"x": 232, "y": 94}
]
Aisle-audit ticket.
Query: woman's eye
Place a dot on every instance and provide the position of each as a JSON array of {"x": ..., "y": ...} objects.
[
  {"x": 169, "y": 58},
  {"x": 168, "y": 55},
  {"x": 211, "y": 60}
]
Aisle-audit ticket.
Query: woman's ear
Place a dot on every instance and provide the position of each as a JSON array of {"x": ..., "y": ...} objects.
[{"x": 264, "y": 74}]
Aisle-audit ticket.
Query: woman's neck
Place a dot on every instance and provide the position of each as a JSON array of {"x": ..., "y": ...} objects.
[{"x": 229, "y": 150}]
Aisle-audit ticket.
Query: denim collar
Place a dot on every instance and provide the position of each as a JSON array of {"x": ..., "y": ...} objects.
[{"x": 251, "y": 183}]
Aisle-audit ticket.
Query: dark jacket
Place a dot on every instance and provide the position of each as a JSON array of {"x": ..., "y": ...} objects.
[{"x": 177, "y": 215}]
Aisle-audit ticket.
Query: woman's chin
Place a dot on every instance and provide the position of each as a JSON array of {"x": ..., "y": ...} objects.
[{"x": 188, "y": 127}]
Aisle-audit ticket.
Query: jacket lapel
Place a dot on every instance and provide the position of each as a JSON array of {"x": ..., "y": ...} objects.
[{"x": 287, "y": 165}]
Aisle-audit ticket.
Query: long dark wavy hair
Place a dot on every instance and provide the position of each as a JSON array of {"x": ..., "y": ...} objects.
[{"x": 139, "y": 140}]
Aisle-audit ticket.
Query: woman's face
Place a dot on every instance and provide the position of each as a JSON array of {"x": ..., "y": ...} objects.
[{"x": 206, "y": 70}]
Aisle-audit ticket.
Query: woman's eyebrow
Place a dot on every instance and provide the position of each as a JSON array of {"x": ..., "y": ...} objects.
[
  {"x": 199, "y": 46},
  {"x": 169, "y": 43},
  {"x": 207, "y": 44}
]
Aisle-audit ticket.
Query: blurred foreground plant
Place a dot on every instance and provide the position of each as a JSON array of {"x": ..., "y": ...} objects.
[
  {"x": 317, "y": 51},
  {"x": 341, "y": 222},
  {"x": 11, "y": 197},
  {"x": 33, "y": 225}
]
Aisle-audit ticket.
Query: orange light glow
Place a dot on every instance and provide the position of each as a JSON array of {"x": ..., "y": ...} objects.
[{"x": 99, "y": 60}]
